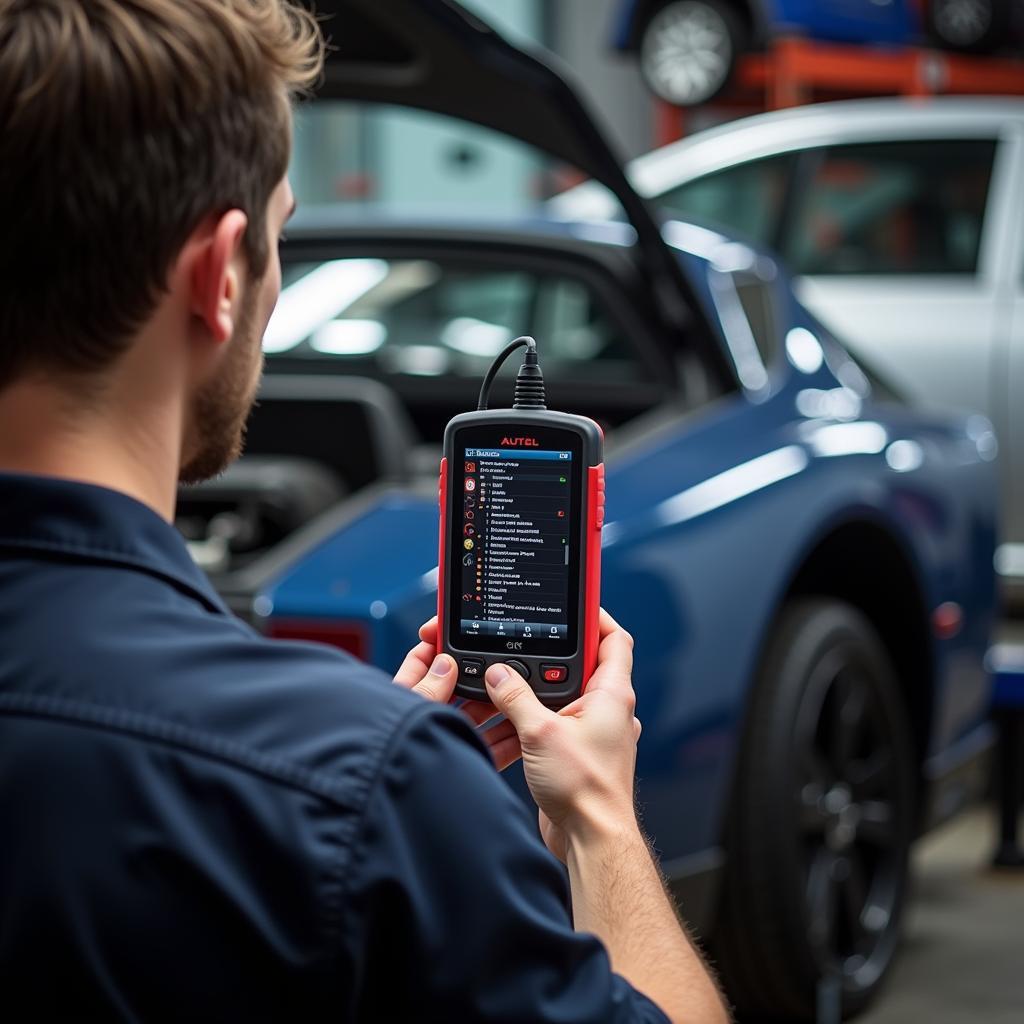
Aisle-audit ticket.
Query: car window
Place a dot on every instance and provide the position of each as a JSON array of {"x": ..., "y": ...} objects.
[
  {"x": 427, "y": 317},
  {"x": 891, "y": 208},
  {"x": 747, "y": 198},
  {"x": 758, "y": 300}
]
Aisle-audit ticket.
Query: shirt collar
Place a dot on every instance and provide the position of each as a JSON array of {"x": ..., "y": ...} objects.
[{"x": 85, "y": 522}]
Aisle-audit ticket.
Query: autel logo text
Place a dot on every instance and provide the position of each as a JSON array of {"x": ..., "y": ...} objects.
[{"x": 520, "y": 442}]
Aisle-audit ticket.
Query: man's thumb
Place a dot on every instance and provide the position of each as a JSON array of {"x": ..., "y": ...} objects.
[{"x": 512, "y": 696}]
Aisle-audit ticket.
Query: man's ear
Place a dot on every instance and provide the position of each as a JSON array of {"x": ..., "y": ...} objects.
[{"x": 215, "y": 274}]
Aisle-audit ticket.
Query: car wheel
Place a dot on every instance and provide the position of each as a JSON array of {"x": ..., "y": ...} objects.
[
  {"x": 688, "y": 50},
  {"x": 971, "y": 25},
  {"x": 821, "y": 820}
]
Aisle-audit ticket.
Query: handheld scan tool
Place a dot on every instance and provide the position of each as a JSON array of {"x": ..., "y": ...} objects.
[{"x": 522, "y": 504}]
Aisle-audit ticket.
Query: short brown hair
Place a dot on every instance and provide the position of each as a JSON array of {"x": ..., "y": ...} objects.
[{"x": 123, "y": 123}]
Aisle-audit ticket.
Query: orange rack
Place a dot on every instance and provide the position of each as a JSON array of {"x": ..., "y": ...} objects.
[{"x": 794, "y": 71}]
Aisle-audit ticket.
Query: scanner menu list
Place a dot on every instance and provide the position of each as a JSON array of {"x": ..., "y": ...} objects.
[{"x": 516, "y": 542}]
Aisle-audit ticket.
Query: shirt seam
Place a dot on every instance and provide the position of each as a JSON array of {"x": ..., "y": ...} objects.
[
  {"x": 115, "y": 556},
  {"x": 357, "y": 824},
  {"x": 139, "y": 726}
]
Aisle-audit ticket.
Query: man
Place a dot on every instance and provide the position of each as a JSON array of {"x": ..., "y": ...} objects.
[{"x": 197, "y": 823}]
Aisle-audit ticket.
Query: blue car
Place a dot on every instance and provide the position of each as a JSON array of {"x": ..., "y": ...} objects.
[
  {"x": 804, "y": 562},
  {"x": 688, "y": 48}
]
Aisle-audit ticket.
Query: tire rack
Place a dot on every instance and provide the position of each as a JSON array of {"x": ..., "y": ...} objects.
[{"x": 794, "y": 71}]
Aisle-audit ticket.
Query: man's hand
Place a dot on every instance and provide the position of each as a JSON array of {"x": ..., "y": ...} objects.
[
  {"x": 579, "y": 762},
  {"x": 434, "y": 676}
]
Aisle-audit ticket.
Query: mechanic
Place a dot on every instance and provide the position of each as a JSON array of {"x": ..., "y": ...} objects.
[{"x": 198, "y": 823}]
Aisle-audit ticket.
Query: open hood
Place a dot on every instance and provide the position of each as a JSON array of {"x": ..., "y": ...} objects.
[{"x": 437, "y": 56}]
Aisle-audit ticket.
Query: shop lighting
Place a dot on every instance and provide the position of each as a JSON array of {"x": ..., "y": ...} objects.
[
  {"x": 831, "y": 404},
  {"x": 834, "y": 439},
  {"x": 734, "y": 258},
  {"x": 475, "y": 337},
  {"x": 318, "y": 297},
  {"x": 804, "y": 350},
  {"x": 419, "y": 360},
  {"x": 694, "y": 239},
  {"x": 349, "y": 337},
  {"x": 1009, "y": 560},
  {"x": 982, "y": 433},
  {"x": 733, "y": 484},
  {"x": 904, "y": 456}
]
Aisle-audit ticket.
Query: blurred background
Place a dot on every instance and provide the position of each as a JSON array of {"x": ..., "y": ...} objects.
[
  {"x": 776, "y": 247},
  {"x": 348, "y": 154}
]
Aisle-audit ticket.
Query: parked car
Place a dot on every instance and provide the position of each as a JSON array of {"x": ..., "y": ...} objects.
[
  {"x": 975, "y": 26},
  {"x": 902, "y": 222},
  {"x": 688, "y": 49},
  {"x": 805, "y": 563}
]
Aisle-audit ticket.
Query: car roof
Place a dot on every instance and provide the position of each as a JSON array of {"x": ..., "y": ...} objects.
[
  {"x": 316, "y": 225},
  {"x": 800, "y": 127}
]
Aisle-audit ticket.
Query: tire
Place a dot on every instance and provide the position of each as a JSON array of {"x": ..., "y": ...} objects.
[
  {"x": 972, "y": 26},
  {"x": 821, "y": 820},
  {"x": 688, "y": 50}
]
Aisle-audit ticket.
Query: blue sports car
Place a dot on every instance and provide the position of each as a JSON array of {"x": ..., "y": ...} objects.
[{"x": 804, "y": 562}]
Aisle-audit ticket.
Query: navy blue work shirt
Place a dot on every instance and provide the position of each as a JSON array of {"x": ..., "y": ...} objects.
[{"x": 200, "y": 824}]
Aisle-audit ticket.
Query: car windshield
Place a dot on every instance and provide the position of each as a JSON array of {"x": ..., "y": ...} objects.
[{"x": 442, "y": 316}]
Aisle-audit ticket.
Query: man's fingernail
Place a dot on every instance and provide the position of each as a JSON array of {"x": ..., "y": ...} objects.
[
  {"x": 442, "y": 665},
  {"x": 496, "y": 674}
]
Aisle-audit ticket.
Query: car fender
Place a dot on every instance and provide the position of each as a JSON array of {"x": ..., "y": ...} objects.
[{"x": 699, "y": 592}]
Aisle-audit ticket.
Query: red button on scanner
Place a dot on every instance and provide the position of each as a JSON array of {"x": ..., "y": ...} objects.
[{"x": 554, "y": 673}]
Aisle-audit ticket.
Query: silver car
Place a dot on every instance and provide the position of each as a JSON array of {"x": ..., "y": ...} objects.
[{"x": 903, "y": 222}]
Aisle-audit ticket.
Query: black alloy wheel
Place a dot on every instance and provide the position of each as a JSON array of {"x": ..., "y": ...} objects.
[
  {"x": 822, "y": 819},
  {"x": 974, "y": 26},
  {"x": 688, "y": 50}
]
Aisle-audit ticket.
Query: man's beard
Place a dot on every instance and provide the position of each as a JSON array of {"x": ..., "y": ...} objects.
[{"x": 220, "y": 409}]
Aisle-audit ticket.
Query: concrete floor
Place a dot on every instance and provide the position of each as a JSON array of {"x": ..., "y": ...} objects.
[{"x": 962, "y": 958}]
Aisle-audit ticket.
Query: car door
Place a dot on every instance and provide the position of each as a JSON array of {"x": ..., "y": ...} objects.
[
  {"x": 1010, "y": 556},
  {"x": 893, "y": 245}
]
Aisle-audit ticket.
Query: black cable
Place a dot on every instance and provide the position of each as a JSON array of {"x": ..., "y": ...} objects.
[{"x": 529, "y": 382}]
